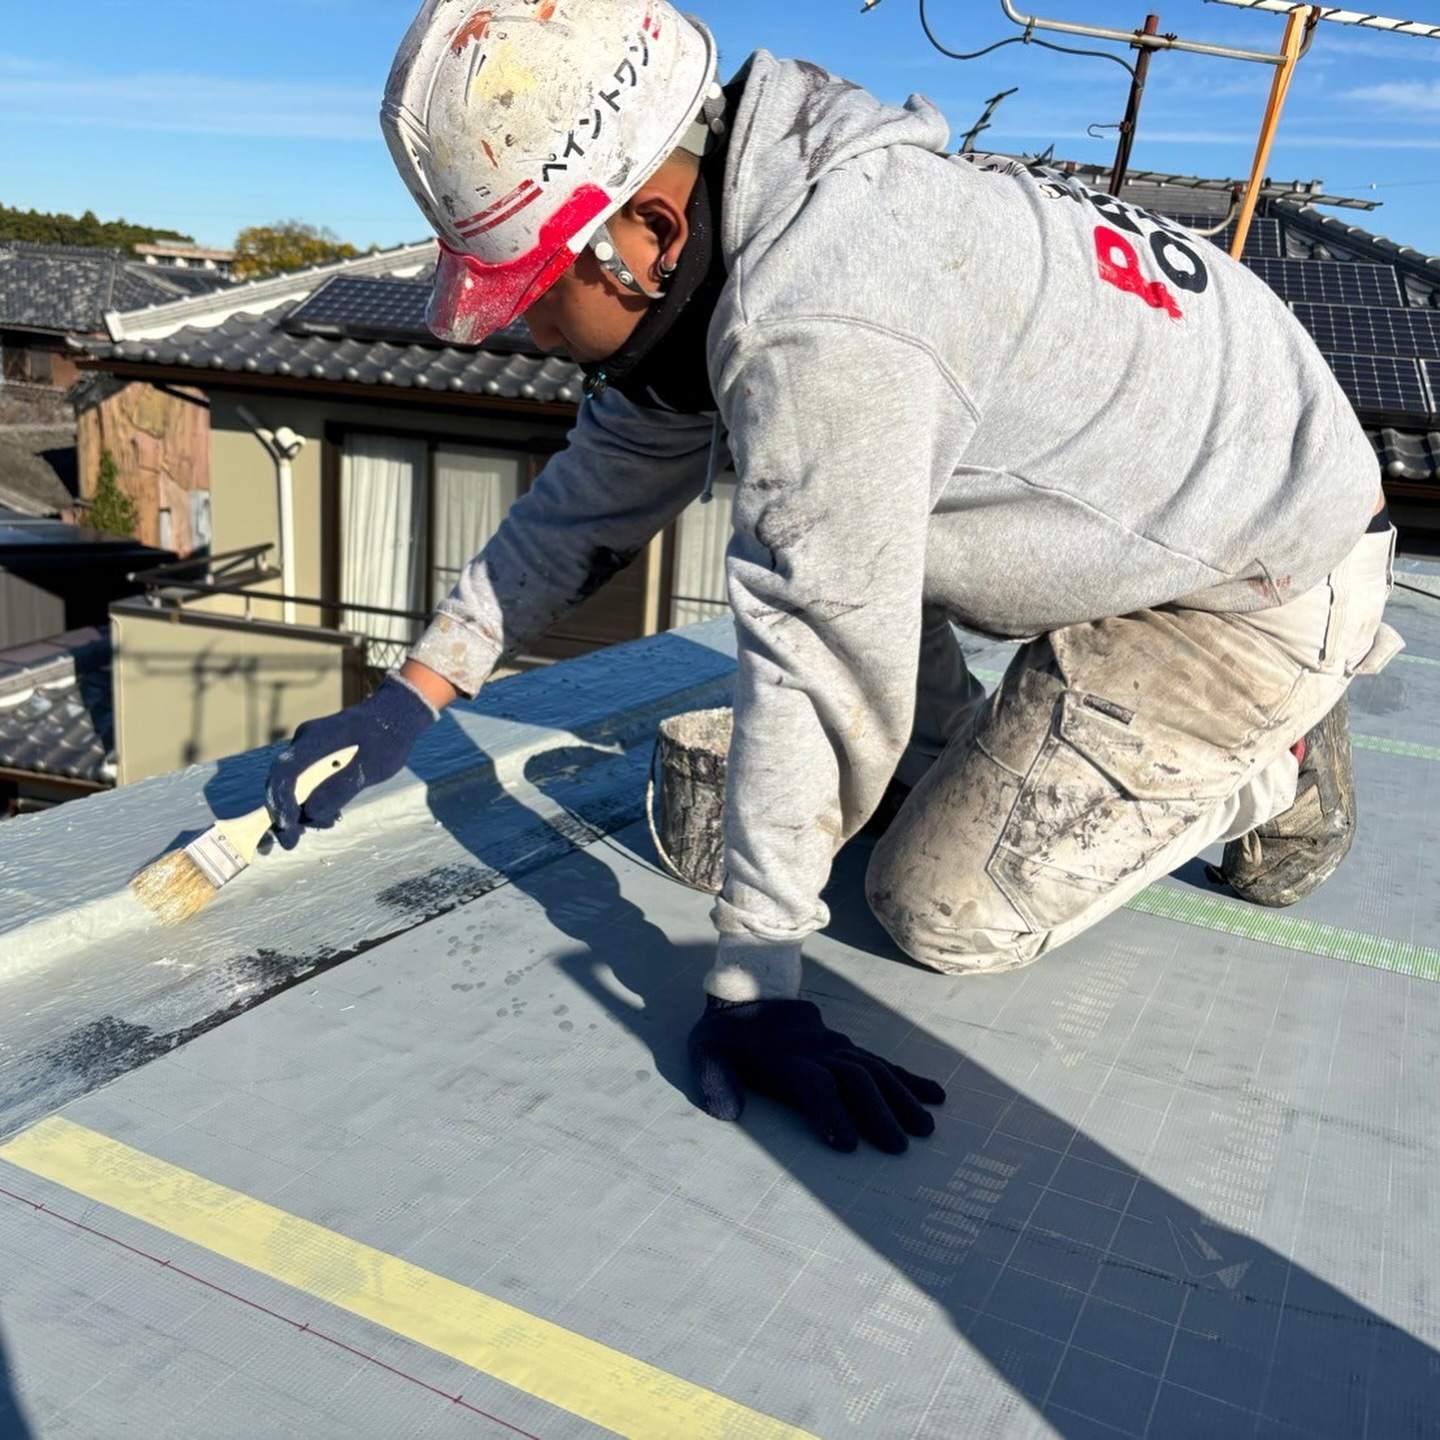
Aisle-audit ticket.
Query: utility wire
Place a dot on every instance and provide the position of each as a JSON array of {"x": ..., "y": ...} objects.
[{"x": 1028, "y": 38}]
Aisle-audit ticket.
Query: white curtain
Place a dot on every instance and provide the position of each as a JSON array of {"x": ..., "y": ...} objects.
[
  {"x": 473, "y": 490},
  {"x": 382, "y": 533},
  {"x": 702, "y": 533}
]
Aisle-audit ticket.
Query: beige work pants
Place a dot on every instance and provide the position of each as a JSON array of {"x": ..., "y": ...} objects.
[{"x": 1112, "y": 753}]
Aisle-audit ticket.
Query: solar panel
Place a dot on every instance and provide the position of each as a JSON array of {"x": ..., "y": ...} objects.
[
  {"x": 1383, "y": 385},
  {"x": 1262, "y": 240},
  {"x": 366, "y": 308},
  {"x": 1330, "y": 282},
  {"x": 1430, "y": 373},
  {"x": 1353, "y": 330}
]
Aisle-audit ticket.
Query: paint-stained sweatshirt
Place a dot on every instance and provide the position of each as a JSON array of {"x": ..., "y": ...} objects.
[{"x": 946, "y": 382}]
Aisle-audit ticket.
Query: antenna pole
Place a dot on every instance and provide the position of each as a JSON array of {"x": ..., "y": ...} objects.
[
  {"x": 1132, "y": 109},
  {"x": 1298, "y": 22}
]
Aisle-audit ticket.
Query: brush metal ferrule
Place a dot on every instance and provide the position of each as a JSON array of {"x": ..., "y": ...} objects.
[{"x": 216, "y": 857}]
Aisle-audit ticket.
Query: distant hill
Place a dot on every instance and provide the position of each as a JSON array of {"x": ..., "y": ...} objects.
[{"x": 43, "y": 229}]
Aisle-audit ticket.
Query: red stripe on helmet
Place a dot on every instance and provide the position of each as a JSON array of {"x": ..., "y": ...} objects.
[
  {"x": 471, "y": 231},
  {"x": 523, "y": 188}
]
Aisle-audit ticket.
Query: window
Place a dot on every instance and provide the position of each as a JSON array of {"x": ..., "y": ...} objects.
[
  {"x": 413, "y": 513},
  {"x": 472, "y": 491}
]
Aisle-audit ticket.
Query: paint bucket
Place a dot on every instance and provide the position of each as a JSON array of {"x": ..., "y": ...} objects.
[{"x": 689, "y": 830}]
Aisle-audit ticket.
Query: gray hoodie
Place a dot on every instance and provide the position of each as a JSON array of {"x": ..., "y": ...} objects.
[{"x": 946, "y": 382}]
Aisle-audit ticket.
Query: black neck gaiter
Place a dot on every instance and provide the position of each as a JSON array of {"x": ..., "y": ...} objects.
[{"x": 663, "y": 364}]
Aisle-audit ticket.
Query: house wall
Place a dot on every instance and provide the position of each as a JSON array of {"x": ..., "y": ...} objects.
[
  {"x": 244, "y": 492},
  {"x": 244, "y": 488},
  {"x": 28, "y": 611},
  {"x": 200, "y": 684},
  {"x": 160, "y": 439}
]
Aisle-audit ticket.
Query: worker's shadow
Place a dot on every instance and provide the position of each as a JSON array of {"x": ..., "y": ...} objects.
[
  {"x": 13, "y": 1425},
  {"x": 1102, "y": 1297}
]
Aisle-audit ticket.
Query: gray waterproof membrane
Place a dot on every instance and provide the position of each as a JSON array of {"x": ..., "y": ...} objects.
[{"x": 1183, "y": 1184}]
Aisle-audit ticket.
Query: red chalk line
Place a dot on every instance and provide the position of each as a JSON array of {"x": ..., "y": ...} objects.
[{"x": 307, "y": 1328}]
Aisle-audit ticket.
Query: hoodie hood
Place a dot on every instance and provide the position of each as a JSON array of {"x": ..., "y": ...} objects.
[{"x": 795, "y": 123}]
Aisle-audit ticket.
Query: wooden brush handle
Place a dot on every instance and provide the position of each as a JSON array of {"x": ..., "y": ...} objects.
[
  {"x": 245, "y": 832},
  {"x": 312, "y": 777}
]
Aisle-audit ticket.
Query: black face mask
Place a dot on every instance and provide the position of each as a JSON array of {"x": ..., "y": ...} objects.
[{"x": 663, "y": 363}]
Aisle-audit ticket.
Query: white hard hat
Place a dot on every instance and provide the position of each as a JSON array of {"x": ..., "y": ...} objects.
[{"x": 521, "y": 126}]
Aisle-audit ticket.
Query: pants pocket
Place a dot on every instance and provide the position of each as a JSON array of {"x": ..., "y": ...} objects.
[{"x": 1106, "y": 793}]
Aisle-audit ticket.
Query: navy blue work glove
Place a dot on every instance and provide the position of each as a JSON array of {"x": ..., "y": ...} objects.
[
  {"x": 782, "y": 1048},
  {"x": 385, "y": 727}
]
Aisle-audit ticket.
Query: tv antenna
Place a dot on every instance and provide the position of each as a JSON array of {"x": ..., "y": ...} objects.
[{"x": 1300, "y": 25}]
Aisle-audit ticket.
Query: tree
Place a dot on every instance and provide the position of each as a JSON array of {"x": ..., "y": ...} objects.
[
  {"x": 41, "y": 228},
  {"x": 286, "y": 245},
  {"x": 111, "y": 509}
]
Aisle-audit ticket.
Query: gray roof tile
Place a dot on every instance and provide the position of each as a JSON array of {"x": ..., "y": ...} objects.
[
  {"x": 56, "y": 714},
  {"x": 507, "y": 367},
  {"x": 68, "y": 288},
  {"x": 1407, "y": 456},
  {"x": 34, "y": 463}
]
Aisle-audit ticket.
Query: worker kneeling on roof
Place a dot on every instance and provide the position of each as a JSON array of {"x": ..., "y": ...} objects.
[{"x": 954, "y": 389}]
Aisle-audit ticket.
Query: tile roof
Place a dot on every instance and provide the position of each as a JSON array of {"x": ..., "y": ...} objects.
[
  {"x": 35, "y": 462},
  {"x": 1405, "y": 456},
  {"x": 257, "y": 297},
  {"x": 351, "y": 350},
  {"x": 56, "y": 715},
  {"x": 363, "y": 328},
  {"x": 68, "y": 288}
]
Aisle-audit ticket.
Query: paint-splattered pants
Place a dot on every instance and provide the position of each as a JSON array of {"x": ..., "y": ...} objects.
[{"x": 1111, "y": 754}]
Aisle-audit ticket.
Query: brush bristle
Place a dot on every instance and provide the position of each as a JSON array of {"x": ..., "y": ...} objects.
[{"x": 174, "y": 888}]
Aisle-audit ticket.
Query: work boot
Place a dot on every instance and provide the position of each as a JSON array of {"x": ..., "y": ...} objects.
[{"x": 1287, "y": 858}]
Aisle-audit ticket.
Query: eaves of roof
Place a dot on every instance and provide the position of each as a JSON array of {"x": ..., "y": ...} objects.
[{"x": 1418, "y": 268}]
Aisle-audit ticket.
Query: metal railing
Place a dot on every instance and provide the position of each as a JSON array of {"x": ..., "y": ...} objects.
[{"x": 240, "y": 572}]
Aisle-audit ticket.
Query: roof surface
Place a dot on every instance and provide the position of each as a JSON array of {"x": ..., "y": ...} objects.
[
  {"x": 28, "y": 539},
  {"x": 36, "y": 462},
  {"x": 270, "y": 345},
  {"x": 68, "y": 288},
  {"x": 450, "y": 1181},
  {"x": 56, "y": 713}
]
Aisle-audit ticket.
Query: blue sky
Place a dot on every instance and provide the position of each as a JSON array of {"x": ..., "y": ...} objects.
[{"x": 206, "y": 118}]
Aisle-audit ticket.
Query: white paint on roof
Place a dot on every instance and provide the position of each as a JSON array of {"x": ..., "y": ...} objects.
[{"x": 497, "y": 787}]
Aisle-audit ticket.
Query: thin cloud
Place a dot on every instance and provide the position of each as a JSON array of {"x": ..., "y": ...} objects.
[
  {"x": 1412, "y": 96},
  {"x": 187, "y": 104}
]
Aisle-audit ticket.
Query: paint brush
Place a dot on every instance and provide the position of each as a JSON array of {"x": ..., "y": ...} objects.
[{"x": 182, "y": 882}]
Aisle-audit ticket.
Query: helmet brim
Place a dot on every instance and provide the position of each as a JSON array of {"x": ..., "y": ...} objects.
[{"x": 471, "y": 300}]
